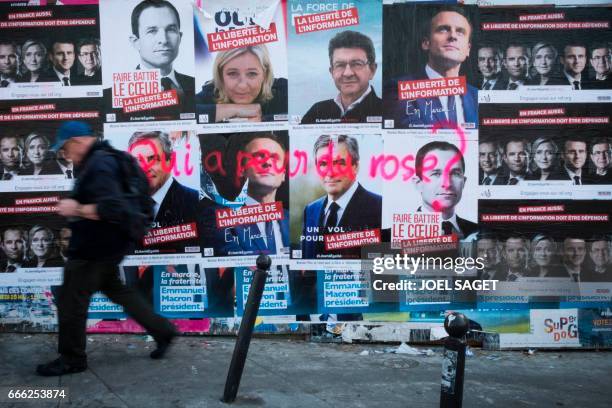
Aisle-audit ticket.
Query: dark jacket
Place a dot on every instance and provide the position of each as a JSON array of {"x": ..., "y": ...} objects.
[
  {"x": 562, "y": 174},
  {"x": 178, "y": 207},
  {"x": 49, "y": 75},
  {"x": 503, "y": 177},
  {"x": 99, "y": 182},
  {"x": 329, "y": 112},
  {"x": 207, "y": 105},
  {"x": 249, "y": 240},
  {"x": 27, "y": 76},
  {"x": 553, "y": 80},
  {"x": 49, "y": 167},
  {"x": 95, "y": 79},
  {"x": 536, "y": 175},
  {"x": 424, "y": 112},
  {"x": 49, "y": 263},
  {"x": 363, "y": 211},
  {"x": 595, "y": 178}
]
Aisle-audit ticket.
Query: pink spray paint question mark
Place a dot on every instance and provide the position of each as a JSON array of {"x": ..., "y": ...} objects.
[{"x": 457, "y": 157}]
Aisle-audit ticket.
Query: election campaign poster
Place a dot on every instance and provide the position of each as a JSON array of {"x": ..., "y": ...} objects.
[
  {"x": 595, "y": 327},
  {"x": 244, "y": 210},
  {"x": 348, "y": 294},
  {"x": 34, "y": 239},
  {"x": 523, "y": 150},
  {"x": 430, "y": 187},
  {"x": 241, "y": 56},
  {"x": 149, "y": 65},
  {"x": 168, "y": 153},
  {"x": 185, "y": 291},
  {"x": 335, "y": 59},
  {"x": 276, "y": 298},
  {"x": 429, "y": 76},
  {"x": 545, "y": 251},
  {"x": 27, "y": 307},
  {"x": 29, "y": 157},
  {"x": 50, "y": 52},
  {"x": 17, "y": 3},
  {"x": 336, "y": 201},
  {"x": 540, "y": 53}
]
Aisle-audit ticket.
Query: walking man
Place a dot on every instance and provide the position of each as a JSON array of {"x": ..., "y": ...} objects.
[{"x": 96, "y": 212}]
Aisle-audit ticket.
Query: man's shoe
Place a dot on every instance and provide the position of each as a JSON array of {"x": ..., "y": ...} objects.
[
  {"x": 162, "y": 347},
  {"x": 58, "y": 367}
]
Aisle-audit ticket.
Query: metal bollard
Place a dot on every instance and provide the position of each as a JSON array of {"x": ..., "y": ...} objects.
[
  {"x": 246, "y": 329},
  {"x": 453, "y": 362}
]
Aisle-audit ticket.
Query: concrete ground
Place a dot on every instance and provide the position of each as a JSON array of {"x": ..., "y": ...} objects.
[{"x": 284, "y": 372}]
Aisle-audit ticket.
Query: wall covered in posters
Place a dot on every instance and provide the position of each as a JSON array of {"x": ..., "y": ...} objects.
[{"x": 324, "y": 134}]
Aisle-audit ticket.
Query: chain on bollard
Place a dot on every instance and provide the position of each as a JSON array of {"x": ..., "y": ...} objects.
[
  {"x": 453, "y": 361},
  {"x": 246, "y": 329}
]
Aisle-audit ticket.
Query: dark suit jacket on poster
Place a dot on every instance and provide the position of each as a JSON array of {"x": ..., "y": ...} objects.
[
  {"x": 597, "y": 179},
  {"x": 585, "y": 83},
  {"x": 95, "y": 79},
  {"x": 503, "y": 177},
  {"x": 600, "y": 84},
  {"x": 497, "y": 80},
  {"x": 50, "y": 76},
  {"x": 562, "y": 174},
  {"x": 424, "y": 112},
  {"x": 329, "y": 112},
  {"x": 49, "y": 167},
  {"x": 211, "y": 237},
  {"x": 466, "y": 227},
  {"x": 364, "y": 211},
  {"x": 26, "y": 77},
  {"x": 206, "y": 103},
  {"x": 536, "y": 175},
  {"x": 591, "y": 276},
  {"x": 554, "y": 80},
  {"x": 179, "y": 206},
  {"x": 4, "y": 265},
  {"x": 481, "y": 175},
  {"x": 245, "y": 246},
  {"x": 186, "y": 103},
  {"x": 49, "y": 263}
]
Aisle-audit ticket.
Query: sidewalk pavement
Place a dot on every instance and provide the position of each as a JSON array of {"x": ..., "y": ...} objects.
[{"x": 282, "y": 372}]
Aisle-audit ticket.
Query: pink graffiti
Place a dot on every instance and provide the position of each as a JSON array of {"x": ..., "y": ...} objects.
[
  {"x": 456, "y": 158},
  {"x": 262, "y": 161},
  {"x": 381, "y": 162},
  {"x": 332, "y": 164},
  {"x": 340, "y": 166},
  {"x": 156, "y": 156}
]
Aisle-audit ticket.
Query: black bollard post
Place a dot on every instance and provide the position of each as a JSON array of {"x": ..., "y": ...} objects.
[
  {"x": 453, "y": 362},
  {"x": 246, "y": 329}
]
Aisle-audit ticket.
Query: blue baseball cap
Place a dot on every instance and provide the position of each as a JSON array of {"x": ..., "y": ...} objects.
[{"x": 68, "y": 130}]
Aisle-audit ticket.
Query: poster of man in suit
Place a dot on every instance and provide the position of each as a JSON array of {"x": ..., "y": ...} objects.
[
  {"x": 166, "y": 158},
  {"x": 244, "y": 210},
  {"x": 429, "y": 68},
  {"x": 438, "y": 180},
  {"x": 153, "y": 79},
  {"x": 339, "y": 203}
]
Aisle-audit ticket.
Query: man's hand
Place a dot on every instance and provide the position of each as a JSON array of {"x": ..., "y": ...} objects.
[
  {"x": 72, "y": 208},
  {"x": 68, "y": 207}
]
